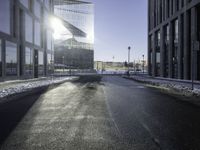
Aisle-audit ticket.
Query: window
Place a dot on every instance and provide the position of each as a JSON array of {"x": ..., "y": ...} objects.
[
  {"x": 0, "y": 58},
  {"x": 176, "y": 31},
  {"x": 167, "y": 33},
  {"x": 46, "y": 17},
  {"x": 28, "y": 28},
  {"x": 49, "y": 63},
  {"x": 37, "y": 33},
  {"x": 49, "y": 40},
  {"x": 28, "y": 61},
  {"x": 37, "y": 9},
  {"x": 158, "y": 39},
  {"x": 175, "y": 49},
  {"x": 47, "y": 3},
  {"x": 158, "y": 57},
  {"x": 177, "y": 5},
  {"x": 25, "y": 3},
  {"x": 41, "y": 63},
  {"x": 158, "y": 53},
  {"x": 5, "y": 16},
  {"x": 11, "y": 59}
]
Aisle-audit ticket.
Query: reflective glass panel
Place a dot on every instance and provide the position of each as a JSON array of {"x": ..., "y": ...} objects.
[
  {"x": 47, "y": 3},
  {"x": 5, "y": 16},
  {"x": 0, "y": 59},
  {"x": 46, "y": 17},
  {"x": 49, "y": 40},
  {"x": 49, "y": 62},
  {"x": 37, "y": 9},
  {"x": 25, "y": 3},
  {"x": 28, "y": 28},
  {"x": 37, "y": 33},
  {"x": 176, "y": 31},
  {"x": 28, "y": 61},
  {"x": 158, "y": 57},
  {"x": 11, "y": 59},
  {"x": 40, "y": 63}
]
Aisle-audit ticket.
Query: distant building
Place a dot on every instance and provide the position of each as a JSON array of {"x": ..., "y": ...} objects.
[
  {"x": 74, "y": 47},
  {"x": 173, "y": 31},
  {"x": 25, "y": 38}
]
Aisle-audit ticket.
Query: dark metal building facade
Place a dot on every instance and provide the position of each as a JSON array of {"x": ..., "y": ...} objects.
[
  {"x": 26, "y": 48},
  {"x": 173, "y": 36}
]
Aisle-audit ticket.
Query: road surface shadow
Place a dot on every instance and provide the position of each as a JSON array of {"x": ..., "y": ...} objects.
[
  {"x": 88, "y": 79},
  {"x": 12, "y": 112}
]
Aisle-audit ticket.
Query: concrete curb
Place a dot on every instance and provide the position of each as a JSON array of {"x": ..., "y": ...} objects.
[{"x": 185, "y": 94}]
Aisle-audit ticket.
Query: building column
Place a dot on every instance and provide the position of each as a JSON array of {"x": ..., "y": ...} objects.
[
  {"x": 186, "y": 46},
  {"x": 174, "y": 6},
  {"x": 162, "y": 52},
  {"x": 193, "y": 38},
  {"x": 171, "y": 7},
  {"x": 167, "y": 10},
  {"x": 154, "y": 56},
  {"x": 149, "y": 56},
  {"x": 170, "y": 59},
  {"x": 180, "y": 47},
  {"x": 158, "y": 11},
  {"x": 3, "y": 53},
  {"x": 180, "y": 4}
]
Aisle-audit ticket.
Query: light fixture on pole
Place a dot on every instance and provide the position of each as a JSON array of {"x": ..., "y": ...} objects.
[
  {"x": 143, "y": 63},
  {"x": 129, "y": 49}
]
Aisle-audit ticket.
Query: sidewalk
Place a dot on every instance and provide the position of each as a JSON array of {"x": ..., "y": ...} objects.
[
  {"x": 174, "y": 86},
  {"x": 15, "y": 88}
]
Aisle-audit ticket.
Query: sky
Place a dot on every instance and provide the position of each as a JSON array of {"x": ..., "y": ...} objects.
[{"x": 119, "y": 24}]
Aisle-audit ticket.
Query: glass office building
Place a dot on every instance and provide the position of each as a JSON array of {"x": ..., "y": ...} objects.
[
  {"x": 74, "y": 46},
  {"x": 25, "y": 38},
  {"x": 174, "y": 34}
]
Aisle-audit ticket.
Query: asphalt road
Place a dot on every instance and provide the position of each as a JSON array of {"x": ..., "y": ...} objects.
[{"x": 94, "y": 114}]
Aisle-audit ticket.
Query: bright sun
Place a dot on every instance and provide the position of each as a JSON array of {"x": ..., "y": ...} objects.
[{"x": 58, "y": 28}]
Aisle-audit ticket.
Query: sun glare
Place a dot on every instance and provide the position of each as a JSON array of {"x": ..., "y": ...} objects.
[{"x": 58, "y": 28}]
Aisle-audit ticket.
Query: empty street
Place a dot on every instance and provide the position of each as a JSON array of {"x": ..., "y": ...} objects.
[{"x": 94, "y": 113}]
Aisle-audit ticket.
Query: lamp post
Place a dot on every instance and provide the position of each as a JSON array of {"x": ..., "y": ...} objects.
[
  {"x": 143, "y": 63},
  {"x": 63, "y": 58},
  {"x": 129, "y": 49}
]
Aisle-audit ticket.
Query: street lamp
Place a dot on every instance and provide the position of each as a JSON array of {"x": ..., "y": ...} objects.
[
  {"x": 129, "y": 49},
  {"x": 63, "y": 58},
  {"x": 143, "y": 63}
]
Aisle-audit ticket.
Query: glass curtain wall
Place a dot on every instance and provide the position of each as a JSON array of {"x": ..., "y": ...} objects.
[
  {"x": 151, "y": 53},
  {"x": 37, "y": 9},
  {"x": 158, "y": 53},
  {"x": 28, "y": 28},
  {"x": 25, "y": 3},
  {"x": 0, "y": 58},
  {"x": 40, "y": 63},
  {"x": 28, "y": 61},
  {"x": 11, "y": 59},
  {"x": 166, "y": 51},
  {"x": 175, "y": 50},
  {"x": 49, "y": 63},
  {"x": 37, "y": 33},
  {"x": 80, "y": 19},
  {"x": 5, "y": 16}
]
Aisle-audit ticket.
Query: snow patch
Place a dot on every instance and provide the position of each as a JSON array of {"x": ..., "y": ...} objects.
[{"x": 28, "y": 86}]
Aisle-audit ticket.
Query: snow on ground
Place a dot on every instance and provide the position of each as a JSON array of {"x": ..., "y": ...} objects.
[
  {"x": 28, "y": 85},
  {"x": 181, "y": 86}
]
